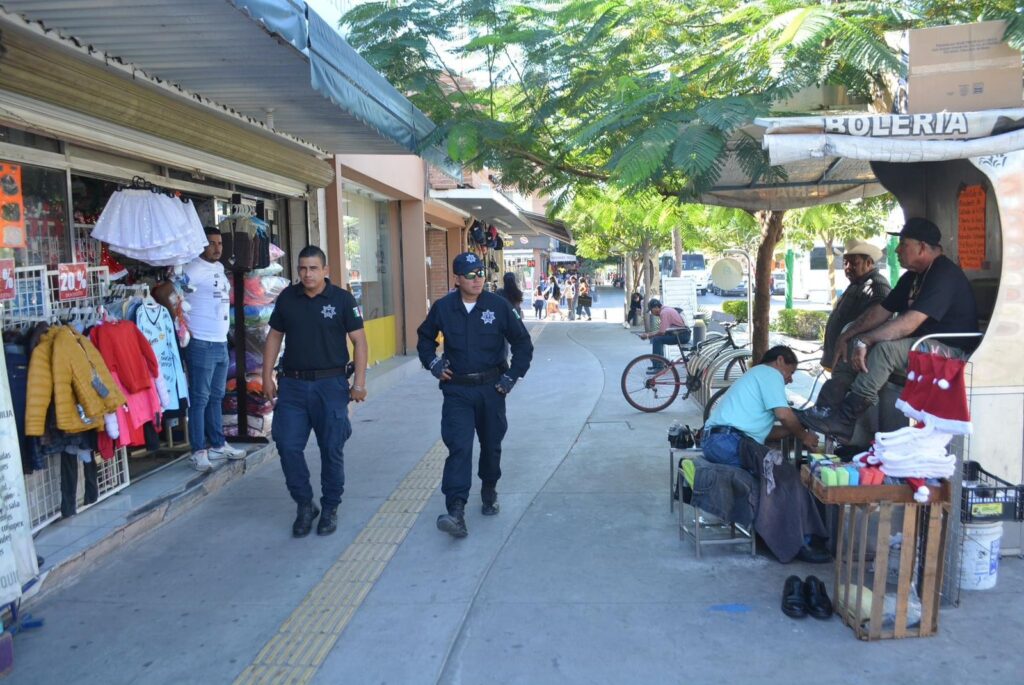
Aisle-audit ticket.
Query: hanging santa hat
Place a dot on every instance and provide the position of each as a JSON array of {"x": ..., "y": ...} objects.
[
  {"x": 918, "y": 386},
  {"x": 946, "y": 408}
]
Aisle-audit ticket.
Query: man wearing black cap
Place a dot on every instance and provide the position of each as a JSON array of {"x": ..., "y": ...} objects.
[
  {"x": 474, "y": 378},
  {"x": 933, "y": 296}
]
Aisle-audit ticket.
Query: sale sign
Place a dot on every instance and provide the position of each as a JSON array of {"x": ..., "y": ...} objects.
[
  {"x": 72, "y": 281},
  {"x": 8, "y": 290}
]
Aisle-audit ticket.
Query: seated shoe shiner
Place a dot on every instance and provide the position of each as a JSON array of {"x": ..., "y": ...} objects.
[
  {"x": 933, "y": 296},
  {"x": 735, "y": 434},
  {"x": 671, "y": 331}
]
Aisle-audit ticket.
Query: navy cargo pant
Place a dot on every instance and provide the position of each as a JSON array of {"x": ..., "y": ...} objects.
[
  {"x": 470, "y": 409},
  {"x": 322, "y": 406}
]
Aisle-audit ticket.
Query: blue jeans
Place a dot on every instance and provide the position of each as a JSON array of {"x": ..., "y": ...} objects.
[
  {"x": 320, "y": 406},
  {"x": 722, "y": 448},
  {"x": 207, "y": 376},
  {"x": 659, "y": 341}
]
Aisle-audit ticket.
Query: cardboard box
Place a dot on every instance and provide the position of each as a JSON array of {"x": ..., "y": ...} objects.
[{"x": 963, "y": 68}]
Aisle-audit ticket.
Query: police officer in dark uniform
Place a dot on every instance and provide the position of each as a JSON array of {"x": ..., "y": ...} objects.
[
  {"x": 315, "y": 316},
  {"x": 474, "y": 377}
]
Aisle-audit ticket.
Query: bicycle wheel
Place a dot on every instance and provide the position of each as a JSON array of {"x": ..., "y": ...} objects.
[
  {"x": 710, "y": 406},
  {"x": 650, "y": 392}
]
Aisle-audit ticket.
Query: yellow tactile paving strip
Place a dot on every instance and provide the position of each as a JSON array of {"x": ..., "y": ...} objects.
[{"x": 304, "y": 640}]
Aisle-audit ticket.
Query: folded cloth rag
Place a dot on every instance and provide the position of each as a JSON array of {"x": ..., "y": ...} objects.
[{"x": 771, "y": 459}]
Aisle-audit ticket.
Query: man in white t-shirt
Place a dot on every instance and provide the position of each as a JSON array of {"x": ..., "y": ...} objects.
[{"x": 207, "y": 354}]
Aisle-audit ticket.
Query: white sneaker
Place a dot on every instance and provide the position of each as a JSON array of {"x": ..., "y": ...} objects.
[
  {"x": 201, "y": 461},
  {"x": 227, "y": 451}
]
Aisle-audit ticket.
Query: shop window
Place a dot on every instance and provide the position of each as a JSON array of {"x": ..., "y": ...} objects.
[
  {"x": 14, "y": 136},
  {"x": 33, "y": 215},
  {"x": 368, "y": 254}
]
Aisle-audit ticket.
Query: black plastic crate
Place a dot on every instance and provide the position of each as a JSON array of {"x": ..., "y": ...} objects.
[{"x": 992, "y": 499}]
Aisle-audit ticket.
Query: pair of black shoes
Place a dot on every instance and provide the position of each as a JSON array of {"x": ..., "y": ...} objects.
[
  {"x": 327, "y": 524},
  {"x": 802, "y": 598}
]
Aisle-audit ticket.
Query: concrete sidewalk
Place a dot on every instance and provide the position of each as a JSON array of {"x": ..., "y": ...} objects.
[{"x": 580, "y": 579}]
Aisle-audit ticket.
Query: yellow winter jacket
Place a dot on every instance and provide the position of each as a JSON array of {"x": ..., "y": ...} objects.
[{"x": 67, "y": 369}]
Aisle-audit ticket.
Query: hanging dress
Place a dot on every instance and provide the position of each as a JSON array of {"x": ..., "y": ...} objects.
[{"x": 156, "y": 325}]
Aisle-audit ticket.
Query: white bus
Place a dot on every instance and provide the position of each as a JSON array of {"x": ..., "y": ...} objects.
[{"x": 693, "y": 264}]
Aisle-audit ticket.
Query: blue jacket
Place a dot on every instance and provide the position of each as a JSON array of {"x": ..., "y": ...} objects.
[{"x": 474, "y": 342}]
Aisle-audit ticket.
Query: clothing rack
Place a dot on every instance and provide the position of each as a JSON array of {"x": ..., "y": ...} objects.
[{"x": 237, "y": 210}]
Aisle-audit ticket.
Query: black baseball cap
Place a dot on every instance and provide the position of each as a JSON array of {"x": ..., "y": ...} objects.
[{"x": 921, "y": 229}]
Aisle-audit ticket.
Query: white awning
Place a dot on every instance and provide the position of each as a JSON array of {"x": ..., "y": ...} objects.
[{"x": 559, "y": 257}]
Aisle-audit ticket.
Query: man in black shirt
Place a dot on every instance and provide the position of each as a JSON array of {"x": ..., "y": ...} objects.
[
  {"x": 933, "y": 296},
  {"x": 867, "y": 287},
  {"x": 475, "y": 378},
  {"x": 316, "y": 317}
]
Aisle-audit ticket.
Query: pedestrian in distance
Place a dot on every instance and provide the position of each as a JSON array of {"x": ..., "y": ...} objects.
[
  {"x": 475, "y": 378},
  {"x": 316, "y": 319},
  {"x": 510, "y": 291},
  {"x": 538, "y": 303}
]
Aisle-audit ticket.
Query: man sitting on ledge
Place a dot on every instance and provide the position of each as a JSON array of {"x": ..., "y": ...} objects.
[
  {"x": 735, "y": 434},
  {"x": 933, "y": 296},
  {"x": 671, "y": 331}
]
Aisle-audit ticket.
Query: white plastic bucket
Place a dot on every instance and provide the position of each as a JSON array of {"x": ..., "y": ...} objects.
[{"x": 980, "y": 565}]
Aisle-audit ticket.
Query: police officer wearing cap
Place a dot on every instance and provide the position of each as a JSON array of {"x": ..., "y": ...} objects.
[
  {"x": 316, "y": 319},
  {"x": 474, "y": 377}
]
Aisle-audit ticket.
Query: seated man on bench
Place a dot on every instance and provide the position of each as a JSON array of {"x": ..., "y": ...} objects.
[
  {"x": 933, "y": 296},
  {"x": 672, "y": 330},
  {"x": 735, "y": 434}
]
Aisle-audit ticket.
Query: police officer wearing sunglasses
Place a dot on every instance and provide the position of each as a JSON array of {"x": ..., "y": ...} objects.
[{"x": 474, "y": 377}]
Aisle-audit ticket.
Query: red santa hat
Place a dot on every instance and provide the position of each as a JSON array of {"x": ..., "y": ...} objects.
[
  {"x": 918, "y": 385},
  {"x": 946, "y": 408}
]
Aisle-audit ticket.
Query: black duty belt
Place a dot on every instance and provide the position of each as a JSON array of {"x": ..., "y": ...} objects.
[
  {"x": 314, "y": 375},
  {"x": 477, "y": 378}
]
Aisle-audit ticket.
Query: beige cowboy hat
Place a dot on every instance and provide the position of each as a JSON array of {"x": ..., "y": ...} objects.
[{"x": 863, "y": 247}]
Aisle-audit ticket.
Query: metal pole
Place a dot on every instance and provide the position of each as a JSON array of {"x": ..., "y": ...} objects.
[{"x": 789, "y": 278}]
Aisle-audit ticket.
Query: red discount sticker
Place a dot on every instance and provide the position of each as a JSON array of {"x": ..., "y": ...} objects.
[
  {"x": 72, "y": 281},
  {"x": 8, "y": 289}
]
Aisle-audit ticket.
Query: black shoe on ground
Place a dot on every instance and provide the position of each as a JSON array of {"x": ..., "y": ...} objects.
[
  {"x": 489, "y": 506},
  {"x": 818, "y": 603},
  {"x": 454, "y": 522},
  {"x": 304, "y": 519},
  {"x": 794, "y": 602},
  {"x": 328, "y": 522}
]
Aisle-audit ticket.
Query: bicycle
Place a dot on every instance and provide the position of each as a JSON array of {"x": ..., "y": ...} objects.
[{"x": 652, "y": 382}]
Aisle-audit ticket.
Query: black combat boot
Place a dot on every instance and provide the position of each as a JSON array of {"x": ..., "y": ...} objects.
[
  {"x": 489, "y": 497},
  {"x": 328, "y": 522},
  {"x": 841, "y": 422},
  {"x": 304, "y": 519},
  {"x": 454, "y": 522}
]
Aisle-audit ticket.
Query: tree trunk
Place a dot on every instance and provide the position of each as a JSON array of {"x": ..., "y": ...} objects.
[
  {"x": 830, "y": 261},
  {"x": 771, "y": 234},
  {"x": 677, "y": 252}
]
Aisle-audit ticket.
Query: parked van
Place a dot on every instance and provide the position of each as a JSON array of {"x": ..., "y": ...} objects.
[{"x": 693, "y": 264}]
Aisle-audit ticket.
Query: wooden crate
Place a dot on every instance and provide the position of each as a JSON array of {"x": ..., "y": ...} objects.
[{"x": 921, "y": 556}]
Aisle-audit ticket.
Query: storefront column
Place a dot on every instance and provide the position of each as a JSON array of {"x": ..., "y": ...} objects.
[
  {"x": 414, "y": 269},
  {"x": 456, "y": 244},
  {"x": 335, "y": 230}
]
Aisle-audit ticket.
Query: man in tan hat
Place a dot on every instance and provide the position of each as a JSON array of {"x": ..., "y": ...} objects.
[{"x": 867, "y": 287}]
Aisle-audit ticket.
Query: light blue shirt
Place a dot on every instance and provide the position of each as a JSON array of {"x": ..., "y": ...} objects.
[{"x": 749, "y": 403}]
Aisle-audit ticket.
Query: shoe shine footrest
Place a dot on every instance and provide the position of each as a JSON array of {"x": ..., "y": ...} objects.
[{"x": 868, "y": 494}]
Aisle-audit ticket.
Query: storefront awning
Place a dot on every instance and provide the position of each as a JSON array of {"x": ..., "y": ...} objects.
[
  {"x": 275, "y": 61},
  {"x": 494, "y": 207},
  {"x": 550, "y": 227},
  {"x": 560, "y": 257},
  {"x": 487, "y": 205},
  {"x": 803, "y": 183}
]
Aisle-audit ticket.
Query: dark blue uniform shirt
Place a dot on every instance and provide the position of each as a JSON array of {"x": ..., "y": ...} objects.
[
  {"x": 474, "y": 342},
  {"x": 316, "y": 328}
]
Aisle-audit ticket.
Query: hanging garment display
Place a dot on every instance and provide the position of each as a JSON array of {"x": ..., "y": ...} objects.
[
  {"x": 151, "y": 227},
  {"x": 67, "y": 370},
  {"x": 156, "y": 325}
]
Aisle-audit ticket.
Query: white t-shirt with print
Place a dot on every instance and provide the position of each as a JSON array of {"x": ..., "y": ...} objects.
[{"x": 208, "y": 316}]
